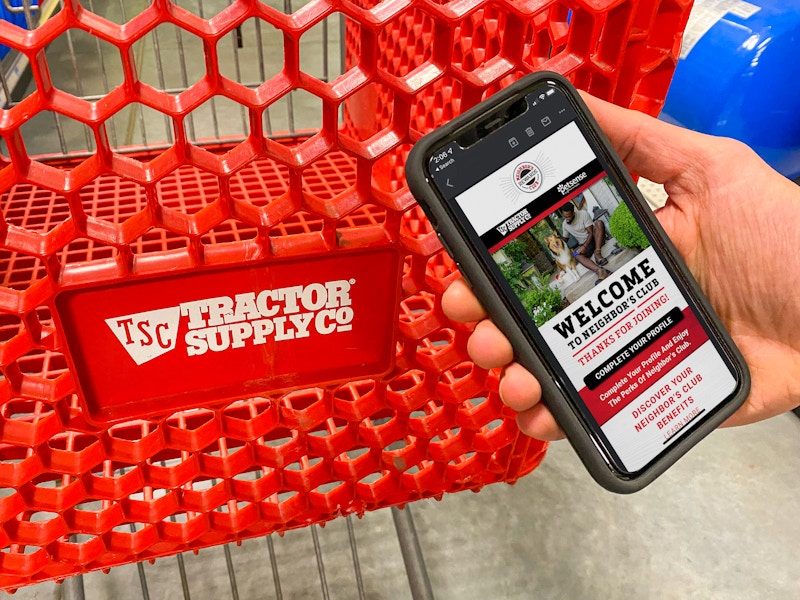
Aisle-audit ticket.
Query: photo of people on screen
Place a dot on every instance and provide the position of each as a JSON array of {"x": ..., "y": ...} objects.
[{"x": 568, "y": 251}]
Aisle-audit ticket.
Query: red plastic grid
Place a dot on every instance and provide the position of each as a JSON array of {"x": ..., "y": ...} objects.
[{"x": 77, "y": 496}]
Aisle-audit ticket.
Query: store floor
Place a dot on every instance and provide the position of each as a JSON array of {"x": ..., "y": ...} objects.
[{"x": 722, "y": 523}]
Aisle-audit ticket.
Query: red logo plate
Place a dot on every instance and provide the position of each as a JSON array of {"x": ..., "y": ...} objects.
[{"x": 149, "y": 347}]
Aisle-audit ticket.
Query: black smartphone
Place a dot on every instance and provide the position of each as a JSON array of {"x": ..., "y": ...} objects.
[{"x": 547, "y": 226}]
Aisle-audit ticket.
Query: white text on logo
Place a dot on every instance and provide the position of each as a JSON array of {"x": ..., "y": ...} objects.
[{"x": 224, "y": 322}]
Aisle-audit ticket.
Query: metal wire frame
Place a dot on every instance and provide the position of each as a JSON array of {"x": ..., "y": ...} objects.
[
  {"x": 137, "y": 134},
  {"x": 28, "y": 8},
  {"x": 413, "y": 559}
]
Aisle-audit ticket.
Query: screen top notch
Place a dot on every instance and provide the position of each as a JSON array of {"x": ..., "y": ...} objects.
[{"x": 498, "y": 118}]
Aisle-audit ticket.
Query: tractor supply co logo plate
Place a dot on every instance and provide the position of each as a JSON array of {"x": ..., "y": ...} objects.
[
  {"x": 224, "y": 323},
  {"x": 149, "y": 347}
]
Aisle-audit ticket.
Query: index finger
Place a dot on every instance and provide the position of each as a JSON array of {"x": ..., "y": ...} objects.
[{"x": 460, "y": 304}]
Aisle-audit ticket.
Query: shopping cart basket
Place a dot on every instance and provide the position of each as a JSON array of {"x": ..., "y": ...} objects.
[{"x": 220, "y": 306}]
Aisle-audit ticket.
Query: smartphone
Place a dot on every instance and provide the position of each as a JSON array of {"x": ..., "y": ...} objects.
[{"x": 547, "y": 226}]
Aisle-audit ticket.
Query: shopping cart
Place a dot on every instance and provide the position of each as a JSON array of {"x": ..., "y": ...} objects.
[{"x": 219, "y": 304}]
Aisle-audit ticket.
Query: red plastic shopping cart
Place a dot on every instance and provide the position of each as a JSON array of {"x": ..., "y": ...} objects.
[{"x": 219, "y": 304}]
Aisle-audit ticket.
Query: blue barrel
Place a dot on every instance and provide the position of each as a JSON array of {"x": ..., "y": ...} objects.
[
  {"x": 17, "y": 18},
  {"x": 739, "y": 76}
]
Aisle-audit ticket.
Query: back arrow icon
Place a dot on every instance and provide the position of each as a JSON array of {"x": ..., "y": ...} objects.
[{"x": 447, "y": 183}]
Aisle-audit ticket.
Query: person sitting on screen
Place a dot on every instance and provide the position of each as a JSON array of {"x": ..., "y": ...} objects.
[{"x": 589, "y": 235}]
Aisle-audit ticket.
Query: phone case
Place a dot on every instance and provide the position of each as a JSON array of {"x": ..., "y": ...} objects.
[{"x": 553, "y": 396}]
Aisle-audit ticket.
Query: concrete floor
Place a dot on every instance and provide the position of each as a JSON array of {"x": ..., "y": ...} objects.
[
  {"x": 720, "y": 524},
  {"x": 723, "y": 523}
]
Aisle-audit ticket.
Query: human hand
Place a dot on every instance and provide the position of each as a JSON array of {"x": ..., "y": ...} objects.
[{"x": 735, "y": 221}]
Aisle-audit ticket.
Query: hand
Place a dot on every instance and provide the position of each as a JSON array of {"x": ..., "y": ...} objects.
[{"x": 735, "y": 221}]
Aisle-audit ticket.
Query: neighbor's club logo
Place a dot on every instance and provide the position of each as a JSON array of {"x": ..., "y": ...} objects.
[
  {"x": 223, "y": 322},
  {"x": 527, "y": 177}
]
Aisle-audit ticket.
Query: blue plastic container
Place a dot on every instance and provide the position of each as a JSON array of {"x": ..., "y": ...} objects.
[
  {"x": 739, "y": 76},
  {"x": 15, "y": 18}
]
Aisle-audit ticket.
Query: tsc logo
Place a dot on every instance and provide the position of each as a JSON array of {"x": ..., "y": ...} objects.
[
  {"x": 515, "y": 222},
  {"x": 249, "y": 319},
  {"x": 147, "y": 335}
]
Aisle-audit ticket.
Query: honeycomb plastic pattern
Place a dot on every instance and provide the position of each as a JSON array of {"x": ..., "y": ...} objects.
[{"x": 77, "y": 497}]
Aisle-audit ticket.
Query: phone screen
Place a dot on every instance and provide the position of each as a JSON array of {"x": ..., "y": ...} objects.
[{"x": 542, "y": 204}]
